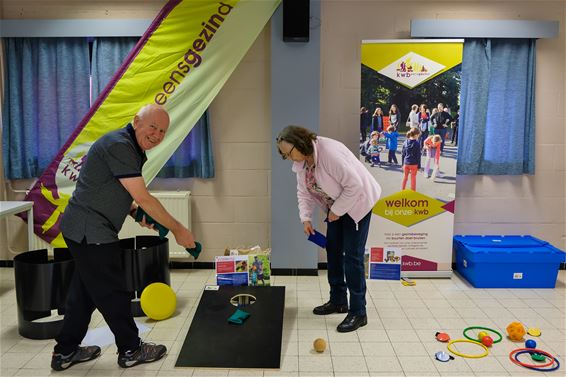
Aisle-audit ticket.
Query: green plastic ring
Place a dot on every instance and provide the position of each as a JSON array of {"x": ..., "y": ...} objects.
[{"x": 482, "y": 328}]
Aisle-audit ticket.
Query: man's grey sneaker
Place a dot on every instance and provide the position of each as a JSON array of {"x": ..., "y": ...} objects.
[
  {"x": 146, "y": 353},
  {"x": 61, "y": 362}
]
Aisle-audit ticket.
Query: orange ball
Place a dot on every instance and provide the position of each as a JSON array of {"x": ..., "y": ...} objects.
[
  {"x": 516, "y": 331},
  {"x": 319, "y": 345}
]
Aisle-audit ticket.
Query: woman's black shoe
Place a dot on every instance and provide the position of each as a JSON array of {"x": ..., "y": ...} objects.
[
  {"x": 352, "y": 323},
  {"x": 330, "y": 308}
]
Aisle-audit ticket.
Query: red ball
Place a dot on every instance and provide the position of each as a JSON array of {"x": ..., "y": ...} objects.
[{"x": 487, "y": 341}]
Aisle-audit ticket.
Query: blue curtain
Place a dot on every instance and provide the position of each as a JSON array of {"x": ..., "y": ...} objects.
[
  {"x": 497, "y": 124},
  {"x": 107, "y": 56},
  {"x": 194, "y": 157},
  {"x": 46, "y": 95}
]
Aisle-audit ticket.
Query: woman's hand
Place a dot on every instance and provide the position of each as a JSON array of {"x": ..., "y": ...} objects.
[
  {"x": 332, "y": 216},
  {"x": 308, "y": 229}
]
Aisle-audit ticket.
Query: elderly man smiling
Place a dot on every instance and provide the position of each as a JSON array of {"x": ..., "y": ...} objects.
[{"x": 109, "y": 181}]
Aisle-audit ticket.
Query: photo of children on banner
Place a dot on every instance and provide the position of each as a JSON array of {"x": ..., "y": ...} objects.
[
  {"x": 424, "y": 121},
  {"x": 365, "y": 146},
  {"x": 423, "y": 125},
  {"x": 442, "y": 122},
  {"x": 394, "y": 116},
  {"x": 411, "y": 158},
  {"x": 432, "y": 148},
  {"x": 259, "y": 270},
  {"x": 374, "y": 151},
  {"x": 243, "y": 270},
  {"x": 391, "y": 137},
  {"x": 254, "y": 276},
  {"x": 378, "y": 120},
  {"x": 229, "y": 270},
  {"x": 365, "y": 123},
  {"x": 413, "y": 119},
  {"x": 242, "y": 265}
]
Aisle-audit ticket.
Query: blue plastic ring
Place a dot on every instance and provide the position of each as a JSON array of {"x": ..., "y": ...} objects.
[{"x": 538, "y": 369}]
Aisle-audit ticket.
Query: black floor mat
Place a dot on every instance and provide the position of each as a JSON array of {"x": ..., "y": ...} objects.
[{"x": 212, "y": 342}]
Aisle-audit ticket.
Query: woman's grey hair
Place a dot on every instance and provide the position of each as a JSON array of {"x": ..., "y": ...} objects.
[{"x": 301, "y": 138}]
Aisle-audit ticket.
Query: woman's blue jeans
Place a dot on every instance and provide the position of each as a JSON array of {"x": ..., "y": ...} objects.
[{"x": 345, "y": 248}]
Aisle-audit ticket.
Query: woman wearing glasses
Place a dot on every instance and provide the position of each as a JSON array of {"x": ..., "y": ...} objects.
[{"x": 330, "y": 176}]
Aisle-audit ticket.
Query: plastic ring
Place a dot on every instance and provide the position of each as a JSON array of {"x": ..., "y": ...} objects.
[
  {"x": 515, "y": 360},
  {"x": 482, "y": 328},
  {"x": 538, "y": 369},
  {"x": 465, "y": 355}
]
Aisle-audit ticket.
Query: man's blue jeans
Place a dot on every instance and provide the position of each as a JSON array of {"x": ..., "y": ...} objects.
[{"x": 345, "y": 250}]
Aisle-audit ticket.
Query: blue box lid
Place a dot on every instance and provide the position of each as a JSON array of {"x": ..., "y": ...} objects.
[
  {"x": 496, "y": 241},
  {"x": 504, "y": 249},
  {"x": 535, "y": 255}
]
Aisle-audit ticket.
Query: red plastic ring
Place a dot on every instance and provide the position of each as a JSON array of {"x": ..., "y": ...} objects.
[{"x": 512, "y": 353}]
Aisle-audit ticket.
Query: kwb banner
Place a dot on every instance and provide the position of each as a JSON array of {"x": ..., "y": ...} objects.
[
  {"x": 181, "y": 62},
  {"x": 410, "y": 85}
]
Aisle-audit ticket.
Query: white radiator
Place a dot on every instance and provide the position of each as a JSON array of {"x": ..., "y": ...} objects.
[
  {"x": 37, "y": 243},
  {"x": 177, "y": 203}
]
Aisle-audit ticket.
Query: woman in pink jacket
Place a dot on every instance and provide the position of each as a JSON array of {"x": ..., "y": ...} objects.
[{"x": 331, "y": 177}]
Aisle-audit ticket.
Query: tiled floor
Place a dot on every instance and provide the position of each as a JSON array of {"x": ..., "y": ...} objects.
[{"x": 398, "y": 340}]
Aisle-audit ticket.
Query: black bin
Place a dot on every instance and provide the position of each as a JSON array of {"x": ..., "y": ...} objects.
[
  {"x": 146, "y": 261},
  {"x": 41, "y": 286}
]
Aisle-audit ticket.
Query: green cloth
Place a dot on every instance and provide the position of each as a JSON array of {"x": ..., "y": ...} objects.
[
  {"x": 140, "y": 213},
  {"x": 195, "y": 251},
  {"x": 239, "y": 317}
]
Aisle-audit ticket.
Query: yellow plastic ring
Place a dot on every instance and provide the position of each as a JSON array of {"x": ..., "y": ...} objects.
[{"x": 465, "y": 355}]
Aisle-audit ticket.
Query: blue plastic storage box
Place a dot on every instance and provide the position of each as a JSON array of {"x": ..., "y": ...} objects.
[{"x": 507, "y": 261}]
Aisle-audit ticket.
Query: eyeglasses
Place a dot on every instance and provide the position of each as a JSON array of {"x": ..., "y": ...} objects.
[{"x": 285, "y": 156}]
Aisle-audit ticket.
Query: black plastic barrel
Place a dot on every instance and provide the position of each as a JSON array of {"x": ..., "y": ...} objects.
[
  {"x": 42, "y": 283},
  {"x": 41, "y": 286},
  {"x": 146, "y": 261}
]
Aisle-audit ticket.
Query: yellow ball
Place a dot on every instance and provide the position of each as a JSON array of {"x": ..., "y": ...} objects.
[
  {"x": 319, "y": 345},
  {"x": 158, "y": 301},
  {"x": 481, "y": 335}
]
